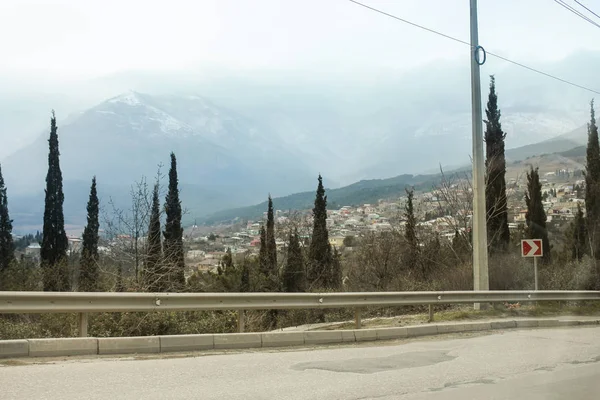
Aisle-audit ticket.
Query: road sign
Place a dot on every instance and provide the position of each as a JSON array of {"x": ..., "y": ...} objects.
[{"x": 531, "y": 248}]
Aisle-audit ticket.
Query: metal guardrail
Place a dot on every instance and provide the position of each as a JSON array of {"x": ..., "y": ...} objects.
[{"x": 94, "y": 302}]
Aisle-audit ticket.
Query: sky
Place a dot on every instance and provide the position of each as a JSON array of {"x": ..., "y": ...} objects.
[
  {"x": 81, "y": 39},
  {"x": 61, "y": 53}
]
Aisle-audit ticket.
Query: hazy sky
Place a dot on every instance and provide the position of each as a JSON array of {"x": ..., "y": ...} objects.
[{"x": 86, "y": 38}]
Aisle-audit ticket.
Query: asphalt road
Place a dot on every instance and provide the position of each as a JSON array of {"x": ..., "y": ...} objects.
[{"x": 528, "y": 364}]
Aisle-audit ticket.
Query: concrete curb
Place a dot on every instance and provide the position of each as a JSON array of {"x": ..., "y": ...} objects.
[
  {"x": 62, "y": 347},
  {"x": 279, "y": 339},
  {"x": 173, "y": 343},
  {"x": 186, "y": 342},
  {"x": 14, "y": 348},
  {"x": 237, "y": 340},
  {"x": 129, "y": 345}
]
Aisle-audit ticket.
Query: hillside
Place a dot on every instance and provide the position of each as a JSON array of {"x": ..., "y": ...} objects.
[
  {"x": 365, "y": 191},
  {"x": 578, "y": 152},
  {"x": 370, "y": 191}
]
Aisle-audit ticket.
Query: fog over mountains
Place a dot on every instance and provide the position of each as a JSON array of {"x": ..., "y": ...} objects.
[{"x": 238, "y": 138}]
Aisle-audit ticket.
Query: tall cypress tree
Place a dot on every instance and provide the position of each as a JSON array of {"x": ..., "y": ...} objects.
[
  {"x": 592, "y": 185},
  {"x": 173, "y": 254},
  {"x": 495, "y": 188},
  {"x": 578, "y": 235},
  {"x": 7, "y": 247},
  {"x": 270, "y": 238},
  {"x": 245, "y": 277},
  {"x": 88, "y": 273},
  {"x": 412, "y": 256},
  {"x": 263, "y": 254},
  {"x": 319, "y": 250},
  {"x": 294, "y": 276},
  {"x": 336, "y": 269},
  {"x": 535, "y": 218},
  {"x": 154, "y": 276},
  {"x": 54, "y": 240}
]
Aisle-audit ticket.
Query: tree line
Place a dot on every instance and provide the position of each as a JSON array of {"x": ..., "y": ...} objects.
[
  {"x": 310, "y": 262},
  {"x": 163, "y": 271}
]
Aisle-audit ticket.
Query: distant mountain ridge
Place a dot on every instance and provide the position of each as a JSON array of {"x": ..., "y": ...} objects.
[
  {"x": 561, "y": 151},
  {"x": 362, "y": 192}
]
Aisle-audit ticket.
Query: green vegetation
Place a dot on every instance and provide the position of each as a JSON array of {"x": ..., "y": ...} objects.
[
  {"x": 579, "y": 151},
  {"x": 320, "y": 261},
  {"x": 7, "y": 247},
  {"x": 495, "y": 187},
  {"x": 54, "y": 239},
  {"x": 294, "y": 274},
  {"x": 412, "y": 254},
  {"x": 592, "y": 184},
  {"x": 536, "y": 216},
  {"x": 153, "y": 268},
  {"x": 578, "y": 235},
  {"x": 88, "y": 275},
  {"x": 173, "y": 251},
  {"x": 271, "y": 247},
  {"x": 366, "y": 191}
]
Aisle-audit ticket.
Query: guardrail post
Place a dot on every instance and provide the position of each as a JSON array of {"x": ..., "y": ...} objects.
[
  {"x": 83, "y": 324},
  {"x": 357, "y": 320},
  {"x": 241, "y": 321},
  {"x": 430, "y": 313}
]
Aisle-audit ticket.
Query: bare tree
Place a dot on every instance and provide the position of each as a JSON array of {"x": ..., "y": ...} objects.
[{"x": 455, "y": 201}]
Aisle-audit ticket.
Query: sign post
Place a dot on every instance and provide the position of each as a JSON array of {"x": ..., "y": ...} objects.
[{"x": 532, "y": 248}]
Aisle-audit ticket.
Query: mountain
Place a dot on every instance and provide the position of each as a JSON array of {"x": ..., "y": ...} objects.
[
  {"x": 362, "y": 192},
  {"x": 224, "y": 159},
  {"x": 371, "y": 191},
  {"x": 557, "y": 144},
  {"x": 391, "y": 121}
]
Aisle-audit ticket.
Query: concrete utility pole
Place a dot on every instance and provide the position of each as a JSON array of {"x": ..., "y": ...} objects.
[{"x": 480, "y": 255}]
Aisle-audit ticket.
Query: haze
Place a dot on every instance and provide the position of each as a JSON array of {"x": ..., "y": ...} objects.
[{"x": 58, "y": 54}]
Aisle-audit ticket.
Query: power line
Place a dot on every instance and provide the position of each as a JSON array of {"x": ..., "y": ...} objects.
[
  {"x": 411, "y": 23},
  {"x": 574, "y": 11},
  {"x": 469, "y": 44},
  {"x": 581, "y": 4}
]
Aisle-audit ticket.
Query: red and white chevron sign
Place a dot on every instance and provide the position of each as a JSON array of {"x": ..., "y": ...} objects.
[{"x": 531, "y": 248}]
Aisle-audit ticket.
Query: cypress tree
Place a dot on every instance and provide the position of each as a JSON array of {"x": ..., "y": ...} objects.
[
  {"x": 592, "y": 185},
  {"x": 7, "y": 247},
  {"x": 174, "y": 257},
  {"x": 294, "y": 277},
  {"x": 495, "y": 188},
  {"x": 319, "y": 250},
  {"x": 88, "y": 275},
  {"x": 154, "y": 276},
  {"x": 535, "y": 217},
  {"x": 270, "y": 238},
  {"x": 336, "y": 269},
  {"x": 578, "y": 238},
  {"x": 245, "y": 277},
  {"x": 54, "y": 238},
  {"x": 410, "y": 233},
  {"x": 263, "y": 254},
  {"x": 227, "y": 275}
]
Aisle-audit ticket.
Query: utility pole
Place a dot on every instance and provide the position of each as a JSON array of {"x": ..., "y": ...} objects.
[{"x": 480, "y": 255}]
